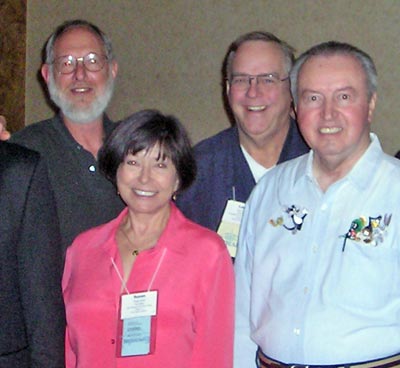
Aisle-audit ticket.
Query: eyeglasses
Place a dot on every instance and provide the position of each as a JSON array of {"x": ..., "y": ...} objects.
[
  {"x": 92, "y": 62},
  {"x": 242, "y": 82}
]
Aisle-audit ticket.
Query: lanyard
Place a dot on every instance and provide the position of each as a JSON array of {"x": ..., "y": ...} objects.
[{"x": 123, "y": 283}]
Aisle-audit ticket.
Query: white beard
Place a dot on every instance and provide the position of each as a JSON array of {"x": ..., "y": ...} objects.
[{"x": 80, "y": 115}]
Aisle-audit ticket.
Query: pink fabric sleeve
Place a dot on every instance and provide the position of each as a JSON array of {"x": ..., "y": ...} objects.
[
  {"x": 70, "y": 357},
  {"x": 215, "y": 315}
]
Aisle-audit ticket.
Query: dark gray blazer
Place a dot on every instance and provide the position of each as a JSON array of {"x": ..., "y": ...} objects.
[{"x": 32, "y": 318}]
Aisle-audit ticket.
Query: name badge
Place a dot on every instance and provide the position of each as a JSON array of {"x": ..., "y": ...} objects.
[
  {"x": 138, "y": 311},
  {"x": 230, "y": 224},
  {"x": 139, "y": 304}
]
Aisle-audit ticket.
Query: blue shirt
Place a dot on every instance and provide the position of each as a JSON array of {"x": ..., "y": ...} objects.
[{"x": 317, "y": 274}]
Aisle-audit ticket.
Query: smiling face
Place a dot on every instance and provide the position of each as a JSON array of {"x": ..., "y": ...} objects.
[
  {"x": 146, "y": 181},
  {"x": 333, "y": 109},
  {"x": 81, "y": 95},
  {"x": 260, "y": 111}
]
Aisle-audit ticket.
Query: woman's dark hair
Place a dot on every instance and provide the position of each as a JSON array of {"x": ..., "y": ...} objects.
[{"x": 142, "y": 131}]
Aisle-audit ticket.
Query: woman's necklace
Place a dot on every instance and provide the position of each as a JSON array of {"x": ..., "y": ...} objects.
[{"x": 135, "y": 252}]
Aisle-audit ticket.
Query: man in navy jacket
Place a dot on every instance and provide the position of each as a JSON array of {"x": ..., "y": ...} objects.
[{"x": 256, "y": 71}]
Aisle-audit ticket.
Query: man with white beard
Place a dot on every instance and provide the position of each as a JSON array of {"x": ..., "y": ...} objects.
[{"x": 79, "y": 71}]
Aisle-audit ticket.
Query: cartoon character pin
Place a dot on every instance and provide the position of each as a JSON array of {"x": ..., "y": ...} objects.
[
  {"x": 294, "y": 219},
  {"x": 370, "y": 232}
]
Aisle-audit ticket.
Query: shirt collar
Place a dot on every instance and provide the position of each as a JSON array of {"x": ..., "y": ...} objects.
[
  {"x": 359, "y": 175},
  {"x": 108, "y": 127},
  {"x": 166, "y": 240}
]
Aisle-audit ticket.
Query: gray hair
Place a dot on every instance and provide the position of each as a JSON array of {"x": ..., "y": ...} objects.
[
  {"x": 331, "y": 48},
  {"x": 288, "y": 51},
  {"x": 77, "y": 23}
]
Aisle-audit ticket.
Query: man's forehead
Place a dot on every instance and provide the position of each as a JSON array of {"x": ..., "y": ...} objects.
[
  {"x": 78, "y": 37},
  {"x": 337, "y": 61},
  {"x": 263, "y": 47},
  {"x": 258, "y": 51},
  {"x": 325, "y": 67}
]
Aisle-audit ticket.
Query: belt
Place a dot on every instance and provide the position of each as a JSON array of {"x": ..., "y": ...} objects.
[{"x": 391, "y": 361}]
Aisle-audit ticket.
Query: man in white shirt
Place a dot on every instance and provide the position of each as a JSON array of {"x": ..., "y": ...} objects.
[{"x": 318, "y": 259}]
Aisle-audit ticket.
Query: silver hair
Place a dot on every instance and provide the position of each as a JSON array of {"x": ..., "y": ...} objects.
[
  {"x": 288, "y": 51},
  {"x": 77, "y": 23},
  {"x": 331, "y": 48}
]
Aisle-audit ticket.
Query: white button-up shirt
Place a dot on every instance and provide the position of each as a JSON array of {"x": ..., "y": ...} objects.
[{"x": 318, "y": 274}]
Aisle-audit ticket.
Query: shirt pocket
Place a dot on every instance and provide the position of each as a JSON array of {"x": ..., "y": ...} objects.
[{"x": 367, "y": 277}]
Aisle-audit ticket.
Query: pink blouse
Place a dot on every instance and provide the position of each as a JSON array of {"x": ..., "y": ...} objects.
[{"x": 195, "y": 283}]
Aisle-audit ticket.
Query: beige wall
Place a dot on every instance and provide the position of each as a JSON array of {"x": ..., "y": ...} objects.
[{"x": 170, "y": 51}]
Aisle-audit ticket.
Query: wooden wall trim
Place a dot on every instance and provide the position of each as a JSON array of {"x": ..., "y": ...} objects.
[{"x": 12, "y": 62}]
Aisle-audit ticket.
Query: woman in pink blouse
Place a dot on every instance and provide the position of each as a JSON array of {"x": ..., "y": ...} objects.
[{"x": 150, "y": 288}]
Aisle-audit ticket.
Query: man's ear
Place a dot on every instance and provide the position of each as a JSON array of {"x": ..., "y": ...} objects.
[
  {"x": 45, "y": 71},
  {"x": 114, "y": 68},
  {"x": 371, "y": 107}
]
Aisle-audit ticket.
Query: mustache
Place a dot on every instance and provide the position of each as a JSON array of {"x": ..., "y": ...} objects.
[{"x": 78, "y": 113}]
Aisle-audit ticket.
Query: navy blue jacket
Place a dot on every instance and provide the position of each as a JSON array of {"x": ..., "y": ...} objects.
[{"x": 221, "y": 165}]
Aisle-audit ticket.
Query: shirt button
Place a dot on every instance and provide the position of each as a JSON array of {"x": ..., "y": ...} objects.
[
  {"x": 296, "y": 331},
  {"x": 324, "y": 207},
  {"x": 306, "y": 290},
  {"x": 92, "y": 168},
  {"x": 112, "y": 341}
]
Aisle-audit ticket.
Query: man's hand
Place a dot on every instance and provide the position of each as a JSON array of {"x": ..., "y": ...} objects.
[{"x": 4, "y": 133}]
